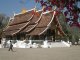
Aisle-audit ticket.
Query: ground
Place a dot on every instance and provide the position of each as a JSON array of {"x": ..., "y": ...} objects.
[{"x": 69, "y": 53}]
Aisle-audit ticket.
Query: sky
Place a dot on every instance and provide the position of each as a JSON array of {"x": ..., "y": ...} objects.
[{"x": 9, "y": 7}]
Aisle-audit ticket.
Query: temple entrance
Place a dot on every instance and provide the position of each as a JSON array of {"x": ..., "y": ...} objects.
[{"x": 50, "y": 34}]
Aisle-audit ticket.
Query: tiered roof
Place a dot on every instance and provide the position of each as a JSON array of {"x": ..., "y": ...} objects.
[
  {"x": 42, "y": 24},
  {"x": 18, "y": 23},
  {"x": 31, "y": 24}
]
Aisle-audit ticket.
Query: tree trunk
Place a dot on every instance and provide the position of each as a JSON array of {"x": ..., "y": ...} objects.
[{"x": 73, "y": 40}]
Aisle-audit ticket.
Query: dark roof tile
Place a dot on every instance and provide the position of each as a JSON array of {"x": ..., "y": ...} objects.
[
  {"x": 15, "y": 27},
  {"x": 28, "y": 28},
  {"x": 45, "y": 20},
  {"x": 10, "y": 33},
  {"x": 37, "y": 31},
  {"x": 21, "y": 18}
]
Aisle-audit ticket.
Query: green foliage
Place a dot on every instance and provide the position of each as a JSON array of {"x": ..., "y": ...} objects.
[
  {"x": 75, "y": 31},
  {"x": 3, "y": 22},
  {"x": 65, "y": 26}
]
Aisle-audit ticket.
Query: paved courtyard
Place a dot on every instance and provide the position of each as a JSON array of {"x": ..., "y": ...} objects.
[{"x": 72, "y": 53}]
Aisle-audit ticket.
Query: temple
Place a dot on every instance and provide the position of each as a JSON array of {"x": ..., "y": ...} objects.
[{"x": 29, "y": 26}]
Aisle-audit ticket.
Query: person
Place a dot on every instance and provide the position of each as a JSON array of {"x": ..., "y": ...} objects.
[{"x": 10, "y": 47}]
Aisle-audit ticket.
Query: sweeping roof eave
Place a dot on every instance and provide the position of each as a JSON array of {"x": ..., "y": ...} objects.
[{"x": 41, "y": 28}]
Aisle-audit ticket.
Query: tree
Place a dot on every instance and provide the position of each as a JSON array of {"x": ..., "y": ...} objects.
[
  {"x": 3, "y": 22},
  {"x": 71, "y": 14}
]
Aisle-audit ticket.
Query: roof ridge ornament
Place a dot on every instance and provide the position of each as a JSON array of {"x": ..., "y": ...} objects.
[
  {"x": 26, "y": 12},
  {"x": 23, "y": 10}
]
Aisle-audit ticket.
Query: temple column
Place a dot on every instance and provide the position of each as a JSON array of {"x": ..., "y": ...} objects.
[{"x": 53, "y": 37}]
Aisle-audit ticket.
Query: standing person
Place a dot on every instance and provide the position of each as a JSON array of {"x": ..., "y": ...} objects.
[{"x": 10, "y": 47}]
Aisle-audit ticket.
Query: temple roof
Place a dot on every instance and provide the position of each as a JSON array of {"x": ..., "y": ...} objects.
[
  {"x": 30, "y": 24},
  {"x": 37, "y": 31},
  {"x": 18, "y": 19},
  {"x": 42, "y": 24},
  {"x": 18, "y": 23}
]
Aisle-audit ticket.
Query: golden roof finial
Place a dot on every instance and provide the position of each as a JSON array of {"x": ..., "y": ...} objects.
[{"x": 23, "y": 10}]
